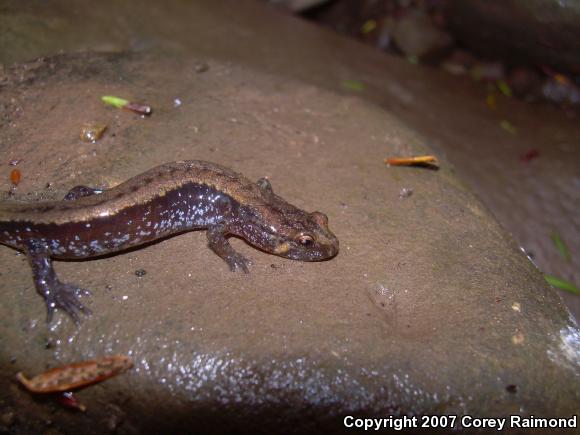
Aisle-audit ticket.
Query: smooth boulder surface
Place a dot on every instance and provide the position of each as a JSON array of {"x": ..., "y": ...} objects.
[
  {"x": 532, "y": 200},
  {"x": 429, "y": 308},
  {"x": 537, "y": 32}
]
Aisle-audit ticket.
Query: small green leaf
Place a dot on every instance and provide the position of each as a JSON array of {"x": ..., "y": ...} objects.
[
  {"x": 504, "y": 88},
  {"x": 114, "y": 101},
  {"x": 508, "y": 126},
  {"x": 368, "y": 26},
  {"x": 562, "y": 284},
  {"x": 353, "y": 85},
  {"x": 560, "y": 245}
]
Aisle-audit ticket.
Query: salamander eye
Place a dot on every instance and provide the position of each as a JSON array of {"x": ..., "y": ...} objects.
[{"x": 306, "y": 240}]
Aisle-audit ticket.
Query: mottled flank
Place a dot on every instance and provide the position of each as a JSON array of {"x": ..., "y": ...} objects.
[
  {"x": 165, "y": 200},
  {"x": 73, "y": 376}
]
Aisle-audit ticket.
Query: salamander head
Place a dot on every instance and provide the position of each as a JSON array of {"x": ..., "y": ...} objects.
[
  {"x": 280, "y": 228},
  {"x": 312, "y": 240}
]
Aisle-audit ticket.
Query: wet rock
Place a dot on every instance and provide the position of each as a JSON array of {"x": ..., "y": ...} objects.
[
  {"x": 525, "y": 82},
  {"x": 488, "y": 71},
  {"x": 299, "y": 5},
  {"x": 561, "y": 92},
  {"x": 428, "y": 308},
  {"x": 459, "y": 62},
  {"x": 417, "y": 35},
  {"x": 536, "y": 32}
]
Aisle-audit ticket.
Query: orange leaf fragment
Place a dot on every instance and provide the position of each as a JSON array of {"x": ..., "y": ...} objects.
[
  {"x": 15, "y": 176},
  {"x": 428, "y": 161},
  {"x": 78, "y": 375}
]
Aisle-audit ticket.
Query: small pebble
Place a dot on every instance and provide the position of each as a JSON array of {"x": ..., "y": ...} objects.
[
  {"x": 140, "y": 272},
  {"x": 8, "y": 418},
  {"x": 92, "y": 132},
  {"x": 405, "y": 192},
  {"x": 512, "y": 388},
  {"x": 201, "y": 67}
]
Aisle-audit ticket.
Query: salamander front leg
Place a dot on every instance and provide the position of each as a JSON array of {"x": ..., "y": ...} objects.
[
  {"x": 216, "y": 236},
  {"x": 56, "y": 294}
]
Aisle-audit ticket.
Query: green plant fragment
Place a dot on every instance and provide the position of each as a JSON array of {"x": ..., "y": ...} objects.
[
  {"x": 114, "y": 101},
  {"x": 562, "y": 284}
]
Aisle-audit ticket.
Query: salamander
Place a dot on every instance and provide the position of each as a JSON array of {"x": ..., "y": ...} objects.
[{"x": 166, "y": 200}]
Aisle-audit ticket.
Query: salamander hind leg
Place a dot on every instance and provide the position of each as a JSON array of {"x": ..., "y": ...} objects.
[
  {"x": 220, "y": 245},
  {"x": 56, "y": 294},
  {"x": 81, "y": 191}
]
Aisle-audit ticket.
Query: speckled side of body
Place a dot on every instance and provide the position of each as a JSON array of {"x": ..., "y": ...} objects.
[{"x": 165, "y": 200}]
